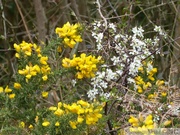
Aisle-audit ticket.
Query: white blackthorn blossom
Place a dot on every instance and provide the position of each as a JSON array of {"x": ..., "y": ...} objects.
[
  {"x": 99, "y": 37},
  {"x": 96, "y": 25},
  {"x": 138, "y": 31},
  {"x": 105, "y": 95},
  {"x": 99, "y": 47},
  {"x": 110, "y": 75},
  {"x": 130, "y": 50},
  {"x": 160, "y": 31},
  {"x": 119, "y": 72},
  {"x": 100, "y": 83},
  {"x": 117, "y": 37},
  {"x": 73, "y": 82},
  {"x": 92, "y": 93},
  {"x": 131, "y": 80},
  {"x": 133, "y": 69},
  {"x": 112, "y": 26},
  {"x": 103, "y": 84},
  {"x": 115, "y": 60}
]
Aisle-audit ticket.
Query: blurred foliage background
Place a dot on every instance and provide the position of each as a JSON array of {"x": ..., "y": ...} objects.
[{"x": 36, "y": 20}]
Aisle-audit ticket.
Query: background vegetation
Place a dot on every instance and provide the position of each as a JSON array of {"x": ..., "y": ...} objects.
[{"x": 35, "y": 21}]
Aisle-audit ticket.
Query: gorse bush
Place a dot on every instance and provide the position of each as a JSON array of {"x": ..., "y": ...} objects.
[{"x": 113, "y": 88}]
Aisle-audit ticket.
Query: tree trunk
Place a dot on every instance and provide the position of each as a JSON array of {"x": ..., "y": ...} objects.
[
  {"x": 175, "y": 59},
  {"x": 41, "y": 21}
]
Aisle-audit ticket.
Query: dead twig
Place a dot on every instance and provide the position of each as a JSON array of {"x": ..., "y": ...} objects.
[{"x": 24, "y": 22}]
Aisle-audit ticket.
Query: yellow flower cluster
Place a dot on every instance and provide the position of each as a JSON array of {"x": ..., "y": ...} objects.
[
  {"x": 70, "y": 34},
  {"x": 7, "y": 91},
  {"x": 27, "y": 49},
  {"x": 141, "y": 85},
  {"x": 84, "y": 111},
  {"x": 85, "y": 65},
  {"x": 162, "y": 88},
  {"x": 151, "y": 74},
  {"x": 30, "y": 71},
  {"x": 142, "y": 125},
  {"x": 146, "y": 78},
  {"x": 23, "y": 125}
]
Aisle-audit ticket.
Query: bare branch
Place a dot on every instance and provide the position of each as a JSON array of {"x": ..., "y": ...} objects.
[
  {"x": 24, "y": 22},
  {"x": 99, "y": 9}
]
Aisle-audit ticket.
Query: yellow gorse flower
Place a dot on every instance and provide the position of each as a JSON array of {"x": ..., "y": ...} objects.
[
  {"x": 85, "y": 65},
  {"x": 17, "y": 85},
  {"x": 53, "y": 108},
  {"x": 152, "y": 96},
  {"x": 24, "y": 50},
  {"x": 11, "y": 96},
  {"x": 30, "y": 71},
  {"x": 73, "y": 124},
  {"x": 43, "y": 60},
  {"x": 148, "y": 120},
  {"x": 141, "y": 124},
  {"x": 30, "y": 126},
  {"x": 8, "y": 92},
  {"x": 151, "y": 74},
  {"x": 70, "y": 34},
  {"x": 45, "y": 94},
  {"x": 36, "y": 119},
  {"x": 163, "y": 94},
  {"x": 146, "y": 79},
  {"x": 84, "y": 111},
  {"x": 1, "y": 90},
  {"x": 57, "y": 124},
  {"x": 134, "y": 121},
  {"x": 59, "y": 112},
  {"x": 46, "y": 123},
  {"x": 7, "y": 89},
  {"x": 22, "y": 124},
  {"x": 141, "y": 84},
  {"x": 80, "y": 119},
  {"x": 159, "y": 82}
]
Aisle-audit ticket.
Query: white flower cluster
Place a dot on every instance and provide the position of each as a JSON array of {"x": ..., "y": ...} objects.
[
  {"x": 99, "y": 35},
  {"x": 138, "y": 32},
  {"x": 160, "y": 31},
  {"x": 128, "y": 53},
  {"x": 100, "y": 83}
]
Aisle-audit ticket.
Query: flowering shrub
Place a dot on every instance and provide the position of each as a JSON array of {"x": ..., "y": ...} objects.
[
  {"x": 113, "y": 86},
  {"x": 70, "y": 34},
  {"x": 127, "y": 54},
  {"x": 66, "y": 118},
  {"x": 85, "y": 65}
]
